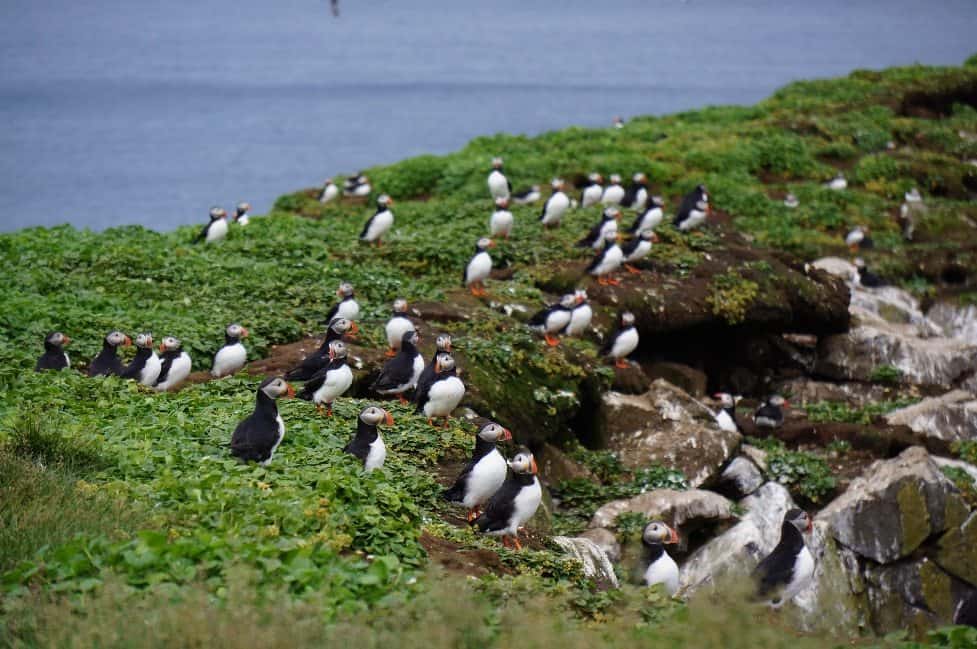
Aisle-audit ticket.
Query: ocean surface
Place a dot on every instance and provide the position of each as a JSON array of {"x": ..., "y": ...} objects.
[{"x": 116, "y": 112}]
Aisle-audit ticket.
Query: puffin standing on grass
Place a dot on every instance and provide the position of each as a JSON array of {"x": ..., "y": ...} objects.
[
  {"x": 858, "y": 238},
  {"x": 241, "y": 213},
  {"x": 650, "y": 218},
  {"x": 726, "y": 415},
  {"x": 622, "y": 342},
  {"x": 478, "y": 268},
  {"x": 54, "y": 356},
  {"x": 636, "y": 195},
  {"x": 445, "y": 392},
  {"x": 484, "y": 473},
  {"x": 357, "y": 186},
  {"x": 597, "y": 236},
  {"x": 500, "y": 223},
  {"x": 662, "y": 568},
  {"x": 232, "y": 356},
  {"x": 174, "y": 364},
  {"x": 689, "y": 201},
  {"x": 442, "y": 345},
  {"x": 331, "y": 382},
  {"x": 607, "y": 261},
  {"x": 216, "y": 230},
  {"x": 837, "y": 183},
  {"x": 318, "y": 359},
  {"x": 367, "y": 445},
  {"x": 580, "y": 315},
  {"x": 555, "y": 206},
  {"x": 614, "y": 192},
  {"x": 330, "y": 191},
  {"x": 347, "y": 306},
  {"x": 770, "y": 414},
  {"x": 527, "y": 196},
  {"x": 146, "y": 365},
  {"x": 637, "y": 249},
  {"x": 499, "y": 186},
  {"x": 400, "y": 373},
  {"x": 397, "y": 326},
  {"x": 514, "y": 503},
  {"x": 553, "y": 319},
  {"x": 107, "y": 363},
  {"x": 592, "y": 191},
  {"x": 380, "y": 223},
  {"x": 258, "y": 435},
  {"x": 789, "y": 568}
]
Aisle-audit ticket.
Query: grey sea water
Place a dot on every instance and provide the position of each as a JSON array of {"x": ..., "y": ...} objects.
[{"x": 117, "y": 112}]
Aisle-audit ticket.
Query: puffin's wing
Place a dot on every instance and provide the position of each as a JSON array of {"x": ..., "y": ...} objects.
[
  {"x": 630, "y": 246},
  {"x": 591, "y": 237},
  {"x": 332, "y": 313},
  {"x": 247, "y": 442},
  {"x": 307, "y": 368},
  {"x": 609, "y": 343},
  {"x": 508, "y": 184},
  {"x": 457, "y": 491},
  {"x": 596, "y": 261},
  {"x": 357, "y": 447},
  {"x": 202, "y": 235},
  {"x": 164, "y": 370},
  {"x": 773, "y": 573},
  {"x": 539, "y": 319},
  {"x": 395, "y": 372},
  {"x": 499, "y": 509},
  {"x": 366, "y": 226},
  {"x": 424, "y": 383},
  {"x": 542, "y": 213}
]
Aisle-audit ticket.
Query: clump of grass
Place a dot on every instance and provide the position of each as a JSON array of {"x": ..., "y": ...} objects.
[
  {"x": 886, "y": 374},
  {"x": 40, "y": 439},
  {"x": 806, "y": 475},
  {"x": 732, "y": 295},
  {"x": 838, "y": 411}
]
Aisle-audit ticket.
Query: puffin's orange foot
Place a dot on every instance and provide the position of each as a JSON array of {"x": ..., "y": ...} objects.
[
  {"x": 622, "y": 364},
  {"x": 474, "y": 513},
  {"x": 329, "y": 411},
  {"x": 430, "y": 421},
  {"x": 402, "y": 399},
  {"x": 602, "y": 281},
  {"x": 516, "y": 543},
  {"x": 631, "y": 269},
  {"x": 613, "y": 282},
  {"x": 551, "y": 341}
]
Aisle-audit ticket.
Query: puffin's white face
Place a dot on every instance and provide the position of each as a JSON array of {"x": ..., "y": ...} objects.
[
  {"x": 568, "y": 301},
  {"x": 217, "y": 213},
  {"x": 444, "y": 343},
  {"x": 612, "y": 213},
  {"x": 657, "y": 533},
  {"x": 400, "y": 305},
  {"x": 117, "y": 338},
  {"x": 57, "y": 338},
  {"x": 340, "y": 325},
  {"x": 726, "y": 400},
  {"x": 501, "y": 203},
  {"x": 276, "y": 387},
  {"x": 702, "y": 206},
  {"x": 170, "y": 344},
  {"x": 593, "y": 177},
  {"x": 484, "y": 244},
  {"x": 384, "y": 201},
  {"x": 800, "y": 519},
  {"x": 523, "y": 462},
  {"x": 337, "y": 349},
  {"x": 496, "y": 163},
  {"x": 345, "y": 289},
  {"x": 639, "y": 178},
  {"x": 492, "y": 432},
  {"x": 777, "y": 401},
  {"x": 658, "y": 201},
  {"x": 411, "y": 337},
  {"x": 580, "y": 296},
  {"x": 374, "y": 416},
  {"x": 557, "y": 184},
  {"x": 627, "y": 319},
  {"x": 243, "y": 207},
  {"x": 236, "y": 331},
  {"x": 144, "y": 340},
  {"x": 615, "y": 179},
  {"x": 445, "y": 362}
]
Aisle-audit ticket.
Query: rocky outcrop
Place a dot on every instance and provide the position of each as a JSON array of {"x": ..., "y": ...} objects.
[
  {"x": 915, "y": 595},
  {"x": 803, "y": 390},
  {"x": 741, "y": 477},
  {"x": 681, "y": 509},
  {"x": 951, "y": 417},
  {"x": 956, "y": 549},
  {"x": 605, "y": 540},
  {"x": 893, "y": 305},
  {"x": 596, "y": 565},
  {"x": 665, "y": 426},
  {"x": 958, "y": 322},
  {"x": 555, "y": 466}
]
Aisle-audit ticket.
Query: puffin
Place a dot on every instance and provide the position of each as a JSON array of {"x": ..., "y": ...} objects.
[
  {"x": 617, "y": 122},
  {"x": 442, "y": 345},
  {"x": 514, "y": 503},
  {"x": 726, "y": 415},
  {"x": 146, "y": 365},
  {"x": 232, "y": 356},
  {"x": 330, "y": 382},
  {"x": 347, "y": 306},
  {"x": 650, "y": 218},
  {"x": 597, "y": 236},
  {"x": 54, "y": 356},
  {"x": 913, "y": 196},
  {"x": 318, "y": 359},
  {"x": 837, "y": 183},
  {"x": 367, "y": 445},
  {"x": 966, "y": 612},
  {"x": 636, "y": 195},
  {"x": 174, "y": 366},
  {"x": 527, "y": 196},
  {"x": 484, "y": 473},
  {"x": 614, "y": 192},
  {"x": 865, "y": 277},
  {"x": 216, "y": 230},
  {"x": 330, "y": 191},
  {"x": 241, "y": 213},
  {"x": 858, "y": 238},
  {"x": 580, "y": 315},
  {"x": 622, "y": 342},
  {"x": 107, "y": 363},
  {"x": 378, "y": 224},
  {"x": 637, "y": 248},
  {"x": 358, "y": 185},
  {"x": 397, "y": 326},
  {"x": 258, "y": 435},
  {"x": 499, "y": 186},
  {"x": 693, "y": 218},
  {"x": 790, "y": 201},
  {"x": 689, "y": 201},
  {"x": 500, "y": 223},
  {"x": 662, "y": 568},
  {"x": 553, "y": 319},
  {"x": 478, "y": 268},
  {"x": 400, "y": 373},
  {"x": 607, "y": 260},
  {"x": 555, "y": 206},
  {"x": 770, "y": 414},
  {"x": 789, "y": 568},
  {"x": 592, "y": 191},
  {"x": 445, "y": 392}
]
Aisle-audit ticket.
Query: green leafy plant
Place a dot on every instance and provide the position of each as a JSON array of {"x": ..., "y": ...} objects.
[
  {"x": 886, "y": 374},
  {"x": 731, "y": 296}
]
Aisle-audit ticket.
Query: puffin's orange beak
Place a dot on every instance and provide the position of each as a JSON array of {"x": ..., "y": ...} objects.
[
  {"x": 389, "y": 419},
  {"x": 672, "y": 536},
  {"x": 339, "y": 292},
  {"x": 332, "y": 355},
  {"x": 506, "y": 435},
  {"x": 437, "y": 367},
  {"x": 810, "y": 523},
  {"x": 290, "y": 391},
  {"x": 354, "y": 328},
  {"x": 491, "y": 244},
  {"x": 532, "y": 467},
  {"x": 128, "y": 341},
  {"x": 161, "y": 348},
  {"x": 65, "y": 340},
  {"x": 244, "y": 333},
  {"x": 654, "y": 237}
]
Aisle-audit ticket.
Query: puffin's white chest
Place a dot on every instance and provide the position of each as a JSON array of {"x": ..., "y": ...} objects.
[
  {"x": 281, "y": 436},
  {"x": 640, "y": 199},
  {"x": 612, "y": 195},
  {"x": 500, "y": 224},
  {"x": 179, "y": 371},
  {"x": 444, "y": 397},
  {"x": 478, "y": 268},
  {"x": 229, "y": 359},
  {"x": 800, "y": 578},
  {"x": 556, "y": 206},
  {"x": 651, "y": 219},
  {"x": 376, "y": 455},
  {"x": 243, "y": 220},
  {"x": 726, "y": 422},
  {"x": 379, "y": 225},
  {"x": 644, "y": 247},
  {"x": 397, "y": 326},
  {"x": 217, "y": 230},
  {"x": 418, "y": 369},
  {"x": 486, "y": 477},
  {"x": 625, "y": 343},
  {"x": 526, "y": 503},
  {"x": 663, "y": 570},
  {"x": 349, "y": 309},
  {"x": 150, "y": 371},
  {"x": 557, "y": 320},
  {"x": 335, "y": 385},
  {"x": 579, "y": 320},
  {"x": 694, "y": 220},
  {"x": 498, "y": 184},
  {"x": 361, "y": 190},
  {"x": 591, "y": 195},
  {"x": 610, "y": 262},
  {"x": 607, "y": 226},
  {"x": 329, "y": 193}
]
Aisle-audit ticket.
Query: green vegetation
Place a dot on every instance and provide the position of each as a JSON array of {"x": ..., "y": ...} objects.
[
  {"x": 966, "y": 451},
  {"x": 807, "y": 476},
  {"x": 731, "y": 296},
  {"x": 886, "y": 374},
  {"x": 838, "y": 411}
]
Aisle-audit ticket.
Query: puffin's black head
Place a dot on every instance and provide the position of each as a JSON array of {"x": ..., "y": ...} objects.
[
  {"x": 658, "y": 533},
  {"x": 144, "y": 340},
  {"x": 611, "y": 213},
  {"x": 497, "y": 163},
  {"x": 345, "y": 290},
  {"x": 483, "y": 244},
  {"x": 799, "y": 519},
  {"x": 337, "y": 349},
  {"x": 342, "y": 326},
  {"x": 116, "y": 338},
  {"x": 235, "y": 330},
  {"x": 242, "y": 208},
  {"x": 444, "y": 362},
  {"x": 217, "y": 212},
  {"x": 523, "y": 462},
  {"x": 56, "y": 339},
  {"x": 384, "y": 202},
  {"x": 493, "y": 432},
  {"x": 275, "y": 387},
  {"x": 400, "y": 305},
  {"x": 443, "y": 343},
  {"x": 627, "y": 319},
  {"x": 375, "y": 415},
  {"x": 411, "y": 338}
]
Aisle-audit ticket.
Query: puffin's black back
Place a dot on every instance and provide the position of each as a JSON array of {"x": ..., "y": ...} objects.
[
  {"x": 316, "y": 380},
  {"x": 599, "y": 258},
  {"x": 53, "y": 358},
  {"x": 631, "y": 245},
  {"x": 255, "y": 436},
  {"x": 107, "y": 363},
  {"x": 425, "y": 381},
  {"x": 421, "y": 398},
  {"x": 315, "y": 361},
  {"x": 398, "y": 370},
  {"x": 133, "y": 369},
  {"x": 777, "y": 568},
  {"x": 365, "y": 435},
  {"x": 457, "y": 491},
  {"x": 609, "y": 343},
  {"x": 166, "y": 362},
  {"x": 769, "y": 412},
  {"x": 687, "y": 204},
  {"x": 502, "y": 504}
]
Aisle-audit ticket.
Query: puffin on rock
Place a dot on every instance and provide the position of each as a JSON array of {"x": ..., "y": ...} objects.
[
  {"x": 445, "y": 392},
  {"x": 146, "y": 365},
  {"x": 554, "y": 318},
  {"x": 622, "y": 342},
  {"x": 770, "y": 414},
  {"x": 693, "y": 218},
  {"x": 174, "y": 364},
  {"x": 54, "y": 356},
  {"x": 367, "y": 445},
  {"x": 330, "y": 382},
  {"x": 442, "y": 344},
  {"x": 726, "y": 415},
  {"x": 397, "y": 326},
  {"x": 514, "y": 503},
  {"x": 232, "y": 356},
  {"x": 484, "y": 473},
  {"x": 637, "y": 249},
  {"x": 107, "y": 363},
  {"x": 858, "y": 238},
  {"x": 580, "y": 315},
  {"x": 614, "y": 192},
  {"x": 400, "y": 373},
  {"x": 789, "y": 568},
  {"x": 650, "y": 218},
  {"x": 689, "y": 201},
  {"x": 662, "y": 568},
  {"x": 318, "y": 359},
  {"x": 865, "y": 277},
  {"x": 258, "y": 435},
  {"x": 607, "y": 261},
  {"x": 380, "y": 223},
  {"x": 216, "y": 229},
  {"x": 478, "y": 268}
]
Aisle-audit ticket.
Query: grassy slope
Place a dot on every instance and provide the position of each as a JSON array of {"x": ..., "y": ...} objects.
[{"x": 304, "y": 526}]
